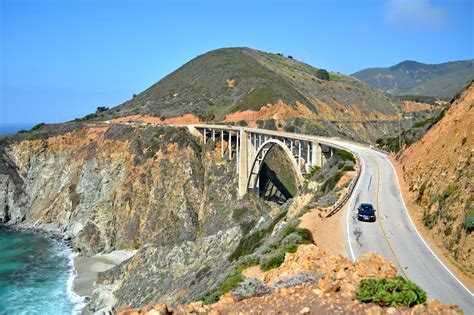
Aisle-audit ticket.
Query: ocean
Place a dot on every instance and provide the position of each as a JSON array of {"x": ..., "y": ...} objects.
[
  {"x": 36, "y": 274},
  {"x": 11, "y": 129}
]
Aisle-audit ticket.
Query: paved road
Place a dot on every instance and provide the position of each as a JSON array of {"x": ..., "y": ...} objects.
[{"x": 393, "y": 234}]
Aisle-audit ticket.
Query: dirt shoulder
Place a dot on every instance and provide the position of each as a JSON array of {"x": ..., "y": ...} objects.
[
  {"x": 415, "y": 213},
  {"x": 327, "y": 232}
]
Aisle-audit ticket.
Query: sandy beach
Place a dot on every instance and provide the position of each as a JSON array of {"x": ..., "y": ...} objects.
[{"x": 88, "y": 267}]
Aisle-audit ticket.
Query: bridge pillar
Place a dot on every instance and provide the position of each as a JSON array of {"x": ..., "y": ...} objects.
[
  {"x": 222, "y": 143},
  {"x": 317, "y": 155},
  {"x": 243, "y": 154}
]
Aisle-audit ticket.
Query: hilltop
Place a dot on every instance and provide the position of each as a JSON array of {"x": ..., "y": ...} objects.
[
  {"x": 416, "y": 78},
  {"x": 231, "y": 80}
]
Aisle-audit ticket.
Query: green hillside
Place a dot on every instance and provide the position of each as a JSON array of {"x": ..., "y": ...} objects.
[
  {"x": 415, "y": 78},
  {"x": 201, "y": 87}
]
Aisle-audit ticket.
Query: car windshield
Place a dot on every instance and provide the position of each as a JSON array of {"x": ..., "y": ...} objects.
[{"x": 366, "y": 209}]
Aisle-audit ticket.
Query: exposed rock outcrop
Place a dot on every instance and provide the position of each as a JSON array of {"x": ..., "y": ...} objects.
[
  {"x": 329, "y": 287},
  {"x": 158, "y": 190},
  {"x": 439, "y": 170}
]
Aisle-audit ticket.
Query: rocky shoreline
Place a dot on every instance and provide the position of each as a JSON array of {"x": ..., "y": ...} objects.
[{"x": 87, "y": 269}]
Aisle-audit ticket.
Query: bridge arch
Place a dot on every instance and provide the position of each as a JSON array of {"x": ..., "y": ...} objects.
[{"x": 254, "y": 174}]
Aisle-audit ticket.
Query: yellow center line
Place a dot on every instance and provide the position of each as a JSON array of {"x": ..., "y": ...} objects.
[{"x": 380, "y": 219}]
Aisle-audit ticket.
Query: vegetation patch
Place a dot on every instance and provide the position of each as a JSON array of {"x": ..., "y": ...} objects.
[
  {"x": 411, "y": 135},
  {"x": 287, "y": 242},
  {"x": 331, "y": 182},
  {"x": 390, "y": 292},
  {"x": 230, "y": 283},
  {"x": 256, "y": 99},
  {"x": 346, "y": 155},
  {"x": 312, "y": 171},
  {"x": 249, "y": 243}
]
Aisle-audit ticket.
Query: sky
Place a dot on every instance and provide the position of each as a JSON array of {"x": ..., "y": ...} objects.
[{"x": 61, "y": 59}]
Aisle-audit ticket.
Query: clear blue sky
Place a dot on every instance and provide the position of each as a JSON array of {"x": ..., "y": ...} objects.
[{"x": 61, "y": 59}]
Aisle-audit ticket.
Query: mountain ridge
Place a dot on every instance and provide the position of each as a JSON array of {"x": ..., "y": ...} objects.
[{"x": 411, "y": 77}]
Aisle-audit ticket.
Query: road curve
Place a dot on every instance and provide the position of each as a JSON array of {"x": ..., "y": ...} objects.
[{"x": 393, "y": 234}]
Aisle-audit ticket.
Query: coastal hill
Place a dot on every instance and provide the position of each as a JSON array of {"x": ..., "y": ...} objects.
[
  {"x": 266, "y": 90},
  {"x": 231, "y": 80},
  {"x": 416, "y": 78}
]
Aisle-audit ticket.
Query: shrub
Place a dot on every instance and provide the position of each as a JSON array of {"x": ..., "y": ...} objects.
[
  {"x": 322, "y": 74},
  {"x": 390, "y": 292},
  {"x": 250, "y": 288},
  {"x": 38, "y": 126},
  {"x": 101, "y": 109},
  {"x": 230, "y": 283},
  {"x": 331, "y": 182},
  {"x": 429, "y": 219},
  {"x": 305, "y": 234},
  {"x": 272, "y": 261},
  {"x": 292, "y": 239},
  {"x": 328, "y": 199},
  {"x": 345, "y": 155},
  {"x": 313, "y": 170},
  {"x": 295, "y": 280},
  {"x": 347, "y": 168}
]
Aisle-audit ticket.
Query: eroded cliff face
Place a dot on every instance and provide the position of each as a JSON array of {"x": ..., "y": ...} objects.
[
  {"x": 158, "y": 190},
  {"x": 439, "y": 169}
]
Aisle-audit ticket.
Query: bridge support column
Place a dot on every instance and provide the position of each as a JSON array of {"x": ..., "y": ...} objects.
[
  {"x": 317, "y": 158},
  {"x": 243, "y": 154},
  {"x": 222, "y": 143}
]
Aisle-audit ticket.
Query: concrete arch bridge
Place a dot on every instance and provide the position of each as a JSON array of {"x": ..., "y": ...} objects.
[{"x": 251, "y": 145}]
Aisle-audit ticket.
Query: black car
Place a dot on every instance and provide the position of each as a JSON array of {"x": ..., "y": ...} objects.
[{"x": 366, "y": 212}]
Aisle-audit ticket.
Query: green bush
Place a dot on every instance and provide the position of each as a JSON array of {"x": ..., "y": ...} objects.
[
  {"x": 272, "y": 261},
  {"x": 38, "y": 126},
  {"x": 390, "y": 292},
  {"x": 230, "y": 283},
  {"x": 346, "y": 155},
  {"x": 347, "y": 168},
  {"x": 101, "y": 109},
  {"x": 313, "y": 170},
  {"x": 305, "y": 234},
  {"x": 322, "y": 74},
  {"x": 331, "y": 182}
]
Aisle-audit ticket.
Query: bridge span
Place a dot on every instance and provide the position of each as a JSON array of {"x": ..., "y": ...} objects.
[{"x": 251, "y": 145}]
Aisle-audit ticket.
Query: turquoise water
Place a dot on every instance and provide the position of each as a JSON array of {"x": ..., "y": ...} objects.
[
  {"x": 35, "y": 275},
  {"x": 6, "y": 129}
]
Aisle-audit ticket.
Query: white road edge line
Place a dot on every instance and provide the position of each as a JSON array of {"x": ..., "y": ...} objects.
[
  {"x": 349, "y": 205},
  {"x": 416, "y": 230}
]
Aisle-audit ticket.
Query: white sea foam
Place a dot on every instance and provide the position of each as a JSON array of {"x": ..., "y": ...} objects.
[{"x": 78, "y": 301}]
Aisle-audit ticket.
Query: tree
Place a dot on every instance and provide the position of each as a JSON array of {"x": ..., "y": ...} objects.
[
  {"x": 101, "y": 109},
  {"x": 322, "y": 74}
]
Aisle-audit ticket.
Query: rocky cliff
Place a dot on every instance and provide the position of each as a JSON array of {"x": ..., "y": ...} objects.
[
  {"x": 119, "y": 187},
  {"x": 439, "y": 170}
]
